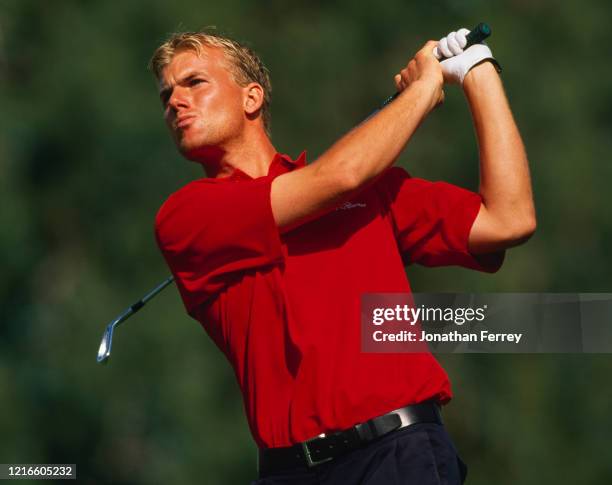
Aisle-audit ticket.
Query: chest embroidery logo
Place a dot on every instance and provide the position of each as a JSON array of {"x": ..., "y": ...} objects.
[{"x": 350, "y": 205}]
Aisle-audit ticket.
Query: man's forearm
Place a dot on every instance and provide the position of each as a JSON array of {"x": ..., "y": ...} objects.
[
  {"x": 505, "y": 184},
  {"x": 354, "y": 160},
  {"x": 371, "y": 147}
]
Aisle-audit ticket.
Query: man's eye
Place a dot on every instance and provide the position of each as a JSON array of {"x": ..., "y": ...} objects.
[{"x": 196, "y": 81}]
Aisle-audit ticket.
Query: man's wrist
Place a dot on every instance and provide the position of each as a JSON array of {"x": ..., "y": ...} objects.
[
  {"x": 479, "y": 74},
  {"x": 427, "y": 89}
]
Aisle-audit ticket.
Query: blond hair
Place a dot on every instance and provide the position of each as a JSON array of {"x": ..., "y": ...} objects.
[{"x": 244, "y": 64}]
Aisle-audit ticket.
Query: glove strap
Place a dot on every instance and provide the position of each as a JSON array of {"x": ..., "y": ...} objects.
[{"x": 492, "y": 60}]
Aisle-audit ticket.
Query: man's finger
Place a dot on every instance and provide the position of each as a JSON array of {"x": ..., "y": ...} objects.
[
  {"x": 443, "y": 48},
  {"x": 453, "y": 44},
  {"x": 398, "y": 81},
  {"x": 429, "y": 46},
  {"x": 461, "y": 37}
]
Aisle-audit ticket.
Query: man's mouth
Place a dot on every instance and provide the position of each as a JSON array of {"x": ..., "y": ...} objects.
[{"x": 184, "y": 121}]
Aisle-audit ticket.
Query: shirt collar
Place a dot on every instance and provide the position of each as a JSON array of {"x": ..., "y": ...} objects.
[
  {"x": 281, "y": 163},
  {"x": 300, "y": 161}
]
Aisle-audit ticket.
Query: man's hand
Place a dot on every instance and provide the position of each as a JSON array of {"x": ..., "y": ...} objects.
[
  {"x": 458, "y": 62},
  {"x": 424, "y": 67}
]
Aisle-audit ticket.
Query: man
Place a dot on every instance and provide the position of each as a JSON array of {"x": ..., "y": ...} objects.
[{"x": 272, "y": 255}]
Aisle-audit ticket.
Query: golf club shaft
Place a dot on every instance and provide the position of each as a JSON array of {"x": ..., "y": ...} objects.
[{"x": 134, "y": 307}]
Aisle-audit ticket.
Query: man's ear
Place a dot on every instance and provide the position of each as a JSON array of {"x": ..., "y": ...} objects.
[{"x": 254, "y": 98}]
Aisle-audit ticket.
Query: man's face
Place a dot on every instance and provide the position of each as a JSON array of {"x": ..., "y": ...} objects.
[{"x": 203, "y": 105}]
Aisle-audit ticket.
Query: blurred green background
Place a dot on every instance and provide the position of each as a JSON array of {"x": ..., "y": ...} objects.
[{"x": 85, "y": 163}]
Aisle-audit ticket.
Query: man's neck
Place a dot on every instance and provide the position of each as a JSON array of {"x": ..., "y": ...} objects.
[{"x": 253, "y": 158}]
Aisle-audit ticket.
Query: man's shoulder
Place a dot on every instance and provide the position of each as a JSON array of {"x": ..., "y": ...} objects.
[
  {"x": 183, "y": 198},
  {"x": 205, "y": 199}
]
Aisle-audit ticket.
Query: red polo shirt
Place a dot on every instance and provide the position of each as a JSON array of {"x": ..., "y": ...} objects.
[{"x": 285, "y": 309}]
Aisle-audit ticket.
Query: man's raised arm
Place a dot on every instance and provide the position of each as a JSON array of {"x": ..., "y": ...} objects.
[
  {"x": 507, "y": 216},
  {"x": 364, "y": 152}
]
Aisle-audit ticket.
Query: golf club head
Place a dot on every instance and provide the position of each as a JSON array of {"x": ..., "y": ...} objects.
[{"x": 105, "y": 346}]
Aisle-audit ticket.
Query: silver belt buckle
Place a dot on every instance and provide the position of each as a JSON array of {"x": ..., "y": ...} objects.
[{"x": 307, "y": 454}]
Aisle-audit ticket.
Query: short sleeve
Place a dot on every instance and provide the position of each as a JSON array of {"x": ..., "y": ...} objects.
[
  {"x": 432, "y": 221},
  {"x": 211, "y": 232}
]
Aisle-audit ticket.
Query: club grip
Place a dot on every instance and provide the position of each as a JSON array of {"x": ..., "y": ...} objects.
[{"x": 478, "y": 34}]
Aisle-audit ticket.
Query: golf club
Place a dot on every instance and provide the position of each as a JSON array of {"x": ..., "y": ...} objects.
[
  {"x": 476, "y": 35},
  {"x": 107, "y": 339}
]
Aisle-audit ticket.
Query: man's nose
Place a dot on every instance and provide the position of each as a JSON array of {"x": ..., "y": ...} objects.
[{"x": 179, "y": 98}]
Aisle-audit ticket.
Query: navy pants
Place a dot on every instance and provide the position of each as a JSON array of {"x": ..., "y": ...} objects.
[{"x": 421, "y": 454}]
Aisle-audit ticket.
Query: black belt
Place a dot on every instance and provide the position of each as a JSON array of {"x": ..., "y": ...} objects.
[{"x": 326, "y": 447}]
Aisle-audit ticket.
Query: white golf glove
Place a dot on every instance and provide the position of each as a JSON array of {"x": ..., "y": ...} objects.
[{"x": 458, "y": 62}]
